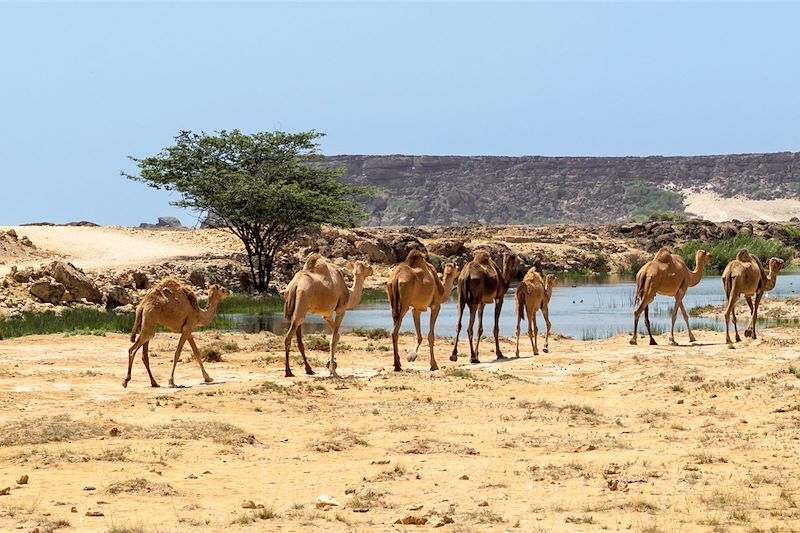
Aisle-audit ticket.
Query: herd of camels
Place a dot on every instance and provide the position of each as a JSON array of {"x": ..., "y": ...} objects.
[{"x": 320, "y": 288}]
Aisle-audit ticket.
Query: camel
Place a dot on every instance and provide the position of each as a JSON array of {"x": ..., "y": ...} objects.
[
  {"x": 668, "y": 275},
  {"x": 481, "y": 283},
  {"x": 744, "y": 275},
  {"x": 415, "y": 284},
  {"x": 534, "y": 294},
  {"x": 173, "y": 306},
  {"x": 320, "y": 289}
]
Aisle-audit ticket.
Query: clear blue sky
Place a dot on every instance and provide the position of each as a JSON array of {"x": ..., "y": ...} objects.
[{"x": 84, "y": 85}]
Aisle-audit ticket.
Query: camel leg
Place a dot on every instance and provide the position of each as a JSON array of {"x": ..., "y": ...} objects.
[
  {"x": 287, "y": 344},
  {"x": 416, "y": 315},
  {"x": 454, "y": 355},
  {"x": 735, "y": 327},
  {"x": 636, "y": 314},
  {"x": 146, "y": 361},
  {"x": 470, "y": 330},
  {"x": 145, "y": 335},
  {"x": 750, "y": 325},
  {"x": 754, "y": 318},
  {"x": 647, "y": 325},
  {"x": 675, "y": 308},
  {"x": 199, "y": 358},
  {"x": 498, "y": 306},
  {"x": 177, "y": 356},
  {"x": 432, "y": 336},
  {"x": 474, "y": 359},
  {"x": 302, "y": 348},
  {"x": 686, "y": 319},
  {"x": 546, "y": 315},
  {"x": 395, "y": 335},
  {"x": 337, "y": 323},
  {"x": 533, "y": 331},
  {"x": 519, "y": 319}
]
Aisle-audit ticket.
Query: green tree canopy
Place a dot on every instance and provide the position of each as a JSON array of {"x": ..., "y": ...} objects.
[{"x": 261, "y": 187}]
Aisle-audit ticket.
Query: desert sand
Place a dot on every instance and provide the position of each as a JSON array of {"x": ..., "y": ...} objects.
[
  {"x": 711, "y": 206},
  {"x": 595, "y": 435}
]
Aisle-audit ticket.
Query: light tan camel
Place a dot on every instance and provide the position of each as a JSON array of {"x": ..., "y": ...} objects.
[
  {"x": 744, "y": 275},
  {"x": 534, "y": 294},
  {"x": 481, "y": 283},
  {"x": 668, "y": 275},
  {"x": 415, "y": 284},
  {"x": 173, "y": 306},
  {"x": 320, "y": 289}
]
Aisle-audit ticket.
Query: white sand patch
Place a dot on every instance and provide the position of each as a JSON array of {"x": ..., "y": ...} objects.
[{"x": 713, "y": 207}]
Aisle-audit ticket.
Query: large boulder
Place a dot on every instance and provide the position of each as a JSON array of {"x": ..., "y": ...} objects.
[
  {"x": 375, "y": 252},
  {"x": 76, "y": 282},
  {"x": 403, "y": 243},
  {"x": 117, "y": 297},
  {"x": 198, "y": 279},
  {"x": 447, "y": 247},
  {"x": 140, "y": 280},
  {"x": 47, "y": 291}
]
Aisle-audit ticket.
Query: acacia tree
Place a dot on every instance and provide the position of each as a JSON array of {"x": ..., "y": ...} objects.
[{"x": 261, "y": 187}]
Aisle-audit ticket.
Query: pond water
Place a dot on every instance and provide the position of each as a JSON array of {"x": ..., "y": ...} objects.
[{"x": 580, "y": 308}]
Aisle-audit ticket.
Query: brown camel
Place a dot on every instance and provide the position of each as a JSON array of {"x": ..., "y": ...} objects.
[
  {"x": 534, "y": 294},
  {"x": 481, "y": 283},
  {"x": 744, "y": 275},
  {"x": 415, "y": 284},
  {"x": 173, "y": 306},
  {"x": 320, "y": 289},
  {"x": 668, "y": 275}
]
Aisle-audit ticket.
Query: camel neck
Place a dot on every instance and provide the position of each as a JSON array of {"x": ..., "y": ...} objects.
[
  {"x": 697, "y": 274},
  {"x": 548, "y": 291},
  {"x": 207, "y": 315},
  {"x": 355, "y": 292},
  {"x": 447, "y": 288},
  {"x": 771, "y": 280}
]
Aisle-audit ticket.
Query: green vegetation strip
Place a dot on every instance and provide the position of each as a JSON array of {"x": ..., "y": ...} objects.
[{"x": 725, "y": 251}]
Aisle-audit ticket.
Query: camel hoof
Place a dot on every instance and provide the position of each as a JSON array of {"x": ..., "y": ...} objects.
[
  {"x": 289, "y": 374},
  {"x": 546, "y": 350},
  {"x": 172, "y": 385},
  {"x": 411, "y": 356},
  {"x": 474, "y": 361},
  {"x": 633, "y": 342},
  {"x": 434, "y": 368},
  {"x": 748, "y": 333},
  {"x": 328, "y": 366},
  {"x": 309, "y": 371},
  {"x": 738, "y": 339},
  {"x": 155, "y": 385},
  {"x": 654, "y": 343},
  {"x": 535, "y": 353},
  {"x": 454, "y": 357},
  {"x": 692, "y": 339},
  {"x": 208, "y": 379},
  {"x": 125, "y": 383},
  {"x": 501, "y": 356},
  {"x": 672, "y": 342},
  {"x": 398, "y": 369}
]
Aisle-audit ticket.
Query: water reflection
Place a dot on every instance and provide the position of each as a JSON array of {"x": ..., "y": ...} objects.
[{"x": 581, "y": 308}]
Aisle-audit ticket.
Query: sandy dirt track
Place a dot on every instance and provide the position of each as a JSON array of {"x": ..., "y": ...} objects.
[
  {"x": 715, "y": 208},
  {"x": 594, "y": 436}
]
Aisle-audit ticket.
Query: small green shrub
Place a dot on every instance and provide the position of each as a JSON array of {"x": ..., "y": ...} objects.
[{"x": 724, "y": 251}]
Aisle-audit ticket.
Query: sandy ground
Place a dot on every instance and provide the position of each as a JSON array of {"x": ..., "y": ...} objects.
[
  {"x": 97, "y": 248},
  {"x": 593, "y": 436},
  {"x": 713, "y": 207}
]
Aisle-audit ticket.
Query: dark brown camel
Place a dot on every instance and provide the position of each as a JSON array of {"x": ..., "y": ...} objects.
[{"x": 481, "y": 283}]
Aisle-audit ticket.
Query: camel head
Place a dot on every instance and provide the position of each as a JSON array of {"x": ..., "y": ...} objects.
[
  {"x": 450, "y": 272},
  {"x": 550, "y": 280},
  {"x": 362, "y": 270},
  {"x": 217, "y": 293},
  {"x": 701, "y": 259},
  {"x": 775, "y": 264},
  {"x": 509, "y": 266}
]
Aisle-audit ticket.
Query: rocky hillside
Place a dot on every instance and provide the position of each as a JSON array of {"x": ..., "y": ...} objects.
[{"x": 451, "y": 190}]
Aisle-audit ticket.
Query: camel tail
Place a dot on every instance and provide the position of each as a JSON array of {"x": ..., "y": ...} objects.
[
  {"x": 640, "y": 282},
  {"x": 394, "y": 299},
  {"x": 137, "y": 324},
  {"x": 291, "y": 300},
  {"x": 520, "y": 305}
]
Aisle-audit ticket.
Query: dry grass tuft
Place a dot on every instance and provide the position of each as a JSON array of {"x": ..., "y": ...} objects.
[
  {"x": 337, "y": 440},
  {"x": 140, "y": 485},
  {"x": 58, "y": 428}
]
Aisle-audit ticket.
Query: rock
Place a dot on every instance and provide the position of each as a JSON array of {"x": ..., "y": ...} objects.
[
  {"x": 25, "y": 241},
  {"x": 484, "y": 503},
  {"x": 113, "y": 432},
  {"x": 164, "y": 223},
  {"x": 5, "y": 492},
  {"x": 22, "y": 276},
  {"x": 140, "y": 280},
  {"x": 373, "y": 252},
  {"x": 464, "y": 477},
  {"x": 47, "y": 291},
  {"x": 361, "y": 509},
  {"x": 444, "y": 521},
  {"x": 11, "y": 233},
  {"x": 117, "y": 297},
  {"x": 403, "y": 243},
  {"x": 324, "y": 501},
  {"x": 94, "y": 513},
  {"x": 198, "y": 279},
  {"x": 248, "y": 504},
  {"x": 73, "y": 510},
  {"x": 76, "y": 282},
  {"x": 89, "y": 487},
  {"x": 23, "y": 480},
  {"x": 412, "y": 520},
  {"x": 124, "y": 309},
  {"x": 447, "y": 247}
]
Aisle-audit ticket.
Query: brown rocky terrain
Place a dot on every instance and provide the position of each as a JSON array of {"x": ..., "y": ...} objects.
[{"x": 447, "y": 190}]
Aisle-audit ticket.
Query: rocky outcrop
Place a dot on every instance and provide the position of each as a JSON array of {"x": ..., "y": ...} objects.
[
  {"x": 48, "y": 291},
  {"x": 164, "y": 223},
  {"x": 447, "y": 190},
  {"x": 77, "y": 283}
]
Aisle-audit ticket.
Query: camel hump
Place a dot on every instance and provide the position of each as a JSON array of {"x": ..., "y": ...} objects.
[
  {"x": 415, "y": 258},
  {"x": 532, "y": 276},
  {"x": 172, "y": 287},
  {"x": 312, "y": 260},
  {"x": 663, "y": 256},
  {"x": 744, "y": 256},
  {"x": 482, "y": 258}
]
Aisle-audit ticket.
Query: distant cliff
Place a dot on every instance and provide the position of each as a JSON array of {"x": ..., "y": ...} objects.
[{"x": 449, "y": 190}]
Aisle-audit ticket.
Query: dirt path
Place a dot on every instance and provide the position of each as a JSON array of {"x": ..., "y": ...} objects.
[{"x": 593, "y": 436}]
